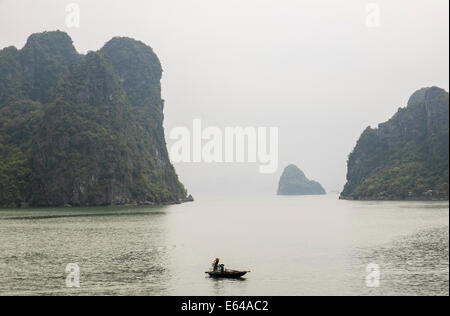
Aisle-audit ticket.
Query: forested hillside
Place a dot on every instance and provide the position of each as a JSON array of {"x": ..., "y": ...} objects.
[{"x": 83, "y": 129}]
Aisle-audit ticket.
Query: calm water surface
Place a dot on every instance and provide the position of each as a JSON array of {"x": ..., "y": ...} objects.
[{"x": 310, "y": 245}]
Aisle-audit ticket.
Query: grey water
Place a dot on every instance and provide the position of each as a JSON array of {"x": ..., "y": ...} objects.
[{"x": 297, "y": 245}]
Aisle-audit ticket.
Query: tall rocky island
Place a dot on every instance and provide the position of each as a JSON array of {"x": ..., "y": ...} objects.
[
  {"x": 406, "y": 157},
  {"x": 294, "y": 182},
  {"x": 83, "y": 129}
]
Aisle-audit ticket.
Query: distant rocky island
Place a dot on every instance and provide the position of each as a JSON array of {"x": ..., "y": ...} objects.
[
  {"x": 83, "y": 130},
  {"x": 406, "y": 157},
  {"x": 294, "y": 182}
]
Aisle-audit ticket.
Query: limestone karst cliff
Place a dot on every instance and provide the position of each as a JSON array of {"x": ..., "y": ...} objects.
[
  {"x": 83, "y": 129},
  {"x": 406, "y": 157}
]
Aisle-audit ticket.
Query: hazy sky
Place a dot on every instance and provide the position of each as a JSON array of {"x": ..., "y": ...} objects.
[{"x": 314, "y": 69}]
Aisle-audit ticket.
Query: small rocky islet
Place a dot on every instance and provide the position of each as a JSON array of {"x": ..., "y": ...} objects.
[{"x": 294, "y": 182}]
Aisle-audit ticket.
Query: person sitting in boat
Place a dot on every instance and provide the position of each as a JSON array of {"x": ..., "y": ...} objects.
[{"x": 216, "y": 264}]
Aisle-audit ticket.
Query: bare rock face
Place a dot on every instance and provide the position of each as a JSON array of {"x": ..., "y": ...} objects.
[
  {"x": 83, "y": 129},
  {"x": 406, "y": 157},
  {"x": 294, "y": 182}
]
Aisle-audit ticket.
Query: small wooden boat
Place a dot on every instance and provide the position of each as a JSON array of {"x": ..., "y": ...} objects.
[
  {"x": 227, "y": 274},
  {"x": 219, "y": 271}
]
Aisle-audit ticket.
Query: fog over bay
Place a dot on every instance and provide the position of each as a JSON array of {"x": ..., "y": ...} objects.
[{"x": 314, "y": 69}]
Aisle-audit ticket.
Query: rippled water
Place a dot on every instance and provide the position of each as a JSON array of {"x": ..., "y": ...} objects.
[{"x": 313, "y": 245}]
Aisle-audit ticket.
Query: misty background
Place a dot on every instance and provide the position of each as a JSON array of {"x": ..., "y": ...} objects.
[{"x": 314, "y": 69}]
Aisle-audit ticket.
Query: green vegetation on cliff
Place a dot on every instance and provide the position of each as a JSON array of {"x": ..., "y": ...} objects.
[
  {"x": 406, "y": 157},
  {"x": 82, "y": 129},
  {"x": 294, "y": 182}
]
